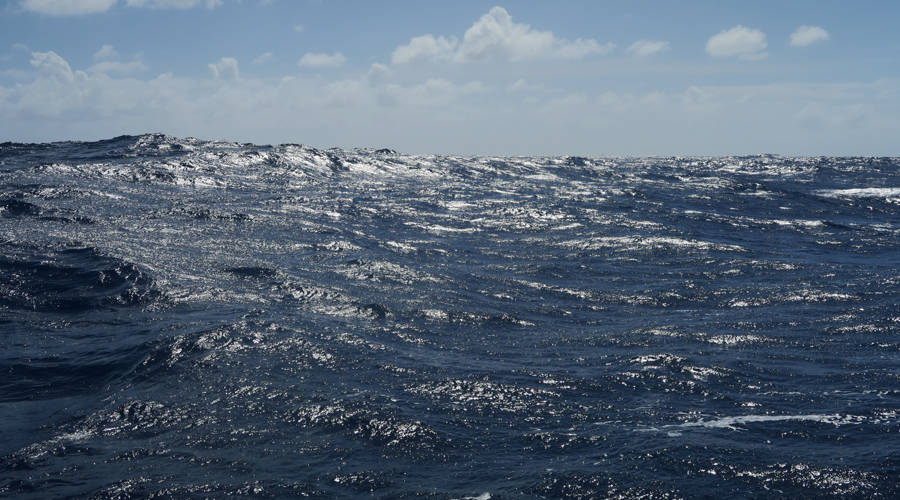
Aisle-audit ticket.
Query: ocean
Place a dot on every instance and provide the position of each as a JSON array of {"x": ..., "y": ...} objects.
[{"x": 196, "y": 319}]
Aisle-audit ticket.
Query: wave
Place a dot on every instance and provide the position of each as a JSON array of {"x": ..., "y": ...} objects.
[
  {"x": 869, "y": 192},
  {"x": 72, "y": 280}
]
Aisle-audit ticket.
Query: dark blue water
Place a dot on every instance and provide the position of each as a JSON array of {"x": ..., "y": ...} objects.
[{"x": 192, "y": 319}]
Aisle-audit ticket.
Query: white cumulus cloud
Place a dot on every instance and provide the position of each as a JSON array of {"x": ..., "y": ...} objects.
[
  {"x": 52, "y": 64},
  {"x": 746, "y": 43},
  {"x": 642, "y": 48},
  {"x": 808, "y": 35},
  {"x": 425, "y": 47},
  {"x": 496, "y": 37},
  {"x": 68, "y": 7},
  {"x": 226, "y": 69},
  {"x": 310, "y": 60}
]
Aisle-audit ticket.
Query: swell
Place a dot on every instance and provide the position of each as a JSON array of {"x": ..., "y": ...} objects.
[
  {"x": 64, "y": 310},
  {"x": 71, "y": 280}
]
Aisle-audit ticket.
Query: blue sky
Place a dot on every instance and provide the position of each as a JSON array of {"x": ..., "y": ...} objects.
[{"x": 651, "y": 77}]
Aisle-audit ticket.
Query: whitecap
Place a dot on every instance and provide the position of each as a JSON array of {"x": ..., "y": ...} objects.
[
  {"x": 883, "y": 192},
  {"x": 733, "y": 422}
]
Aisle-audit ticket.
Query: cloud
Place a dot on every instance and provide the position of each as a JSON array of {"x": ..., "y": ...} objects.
[
  {"x": 56, "y": 101},
  {"x": 226, "y": 69},
  {"x": 836, "y": 106},
  {"x": 815, "y": 115},
  {"x": 808, "y": 35},
  {"x": 310, "y": 60},
  {"x": 68, "y": 7},
  {"x": 80, "y": 7},
  {"x": 345, "y": 93},
  {"x": 627, "y": 103},
  {"x": 436, "y": 92},
  {"x": 299, "y": 28},
  {"x": 178, "y": 4},
  {"x": 49, "y": 63},
  {"x": 74, "y": 105},
  {"x": 106, "y": 63},
  {"x": 496, "y": 37},
  {"x": 746, "y": 43},
  {"x": 702, "y": 100},
  {"x": 378, "y": 73},
  {"x": 263, "y": 58},
  {"x": 643, "y": 48},
  {"x": 522, "y": 84},
  {"x": 581, "y": 48},
  {"x": 425, "y": 47},
  {"x": 106, "y": 52},
  {"x": 107, "y": 67}
]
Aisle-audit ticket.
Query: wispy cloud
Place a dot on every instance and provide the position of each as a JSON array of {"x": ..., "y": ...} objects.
[
  {"x": 264, "y": 58},
  {"x": 68, "y": 7},
  {"x": 522, "y": 84},
  {"x": 82, "y": 7},
  {"x": 107, "y": 67},
  {"x": 643, "y": 48},
  {"x": 107, "y": 63},
  {"x": 310, "y": 60}
]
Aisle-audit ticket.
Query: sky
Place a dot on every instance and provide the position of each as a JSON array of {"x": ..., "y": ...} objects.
[{"x": 575, "y": 77}]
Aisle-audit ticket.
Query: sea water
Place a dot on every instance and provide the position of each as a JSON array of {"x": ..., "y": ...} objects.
[{"x": 191, "y": 319}]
